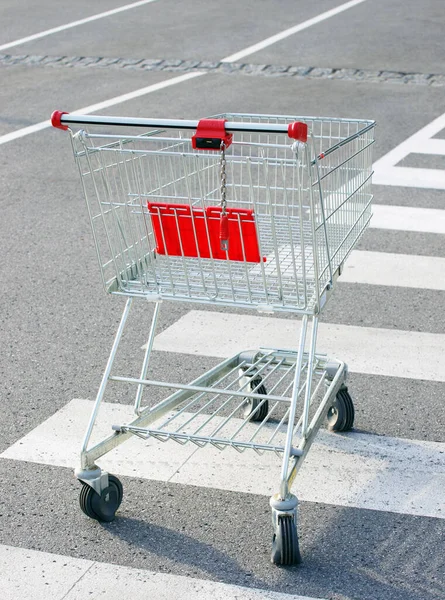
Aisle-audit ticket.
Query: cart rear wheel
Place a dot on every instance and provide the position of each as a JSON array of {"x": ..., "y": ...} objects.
[
  {"x": 285, "y": 547},
  {"x": 341, "y": 413},
  {"x": 103, "y": 506},
  {"x": 251, "y": 408}
]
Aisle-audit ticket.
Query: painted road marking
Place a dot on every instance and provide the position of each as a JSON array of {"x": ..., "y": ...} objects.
[
  {"x": 108, "y": 13},
  {"x": 42, "y": 576},
  {"x": 372, "y": 268},
  {"x": 269, "y": 41},
  {"x": 431, "y": 146},
  {"x": 9, "y": 137},
  {"x": 355, "y": 469},
  {"x": 369, "y": 350},
  {"x": 291, "y": 31},
  {"x": 400, "y": 270},
  {"x": 386, "y": 171},
  {"x": 152, "y": 88},
  {"x": 407, "y": 218}
]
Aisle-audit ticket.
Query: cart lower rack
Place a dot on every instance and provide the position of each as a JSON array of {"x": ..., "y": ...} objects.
[{"x": 251, "y": 211}]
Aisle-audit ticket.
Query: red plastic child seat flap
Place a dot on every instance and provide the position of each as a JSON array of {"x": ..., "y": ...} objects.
[
  {"x": 242, "y": 235},
  {"x": 181, "y": 230}
]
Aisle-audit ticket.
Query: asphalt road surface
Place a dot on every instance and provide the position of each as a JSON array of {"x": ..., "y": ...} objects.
[{"x": 197, "y": 525}]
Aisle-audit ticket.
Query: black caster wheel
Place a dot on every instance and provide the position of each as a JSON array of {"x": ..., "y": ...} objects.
[
  {"x": 102, "y": 507},
  {"x": 341, "y": 413},
  {"x": 250, "y": 407},
  {"x": 285, "y": 548}
]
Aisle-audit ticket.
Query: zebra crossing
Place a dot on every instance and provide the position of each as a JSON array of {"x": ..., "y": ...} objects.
[
  {"x": 365, "y": 471},
  {"x": 356, "y": 470},
  {"x": 42, "y": 575},
  {"x": 195, "y": 523},
  {"x": 389, "y": 169},
  {"x": 402, "y": 218}
]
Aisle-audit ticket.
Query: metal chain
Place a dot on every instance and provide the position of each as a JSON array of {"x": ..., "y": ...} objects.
[{"x": 223, "y": 177}]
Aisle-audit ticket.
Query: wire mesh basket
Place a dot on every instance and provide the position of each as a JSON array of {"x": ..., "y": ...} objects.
[{"x": 295, "y": 211}]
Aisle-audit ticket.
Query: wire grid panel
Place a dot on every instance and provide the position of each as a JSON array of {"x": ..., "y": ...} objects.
[
  {"x": 218, "y": 417},
  {"x": 311, "y": 203}
]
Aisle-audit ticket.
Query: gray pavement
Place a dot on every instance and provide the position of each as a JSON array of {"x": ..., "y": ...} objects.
[
  {"x": 396, "y": 36},
  {"x": 353, "y": 553},
  {"x": 202, "y": 29},
  {"x": 57, "y": 325}
]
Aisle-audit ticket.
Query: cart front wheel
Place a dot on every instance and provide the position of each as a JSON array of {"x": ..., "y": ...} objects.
[
  {"x": 341, "y": 413},
  {"x": 254, "y": 408},
  {"x": 285, "y": 548},
  {"x": 103, "y": 506}
]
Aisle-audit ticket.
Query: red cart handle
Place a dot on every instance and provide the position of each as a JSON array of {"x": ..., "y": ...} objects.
[{"x": 207, "y": 129}]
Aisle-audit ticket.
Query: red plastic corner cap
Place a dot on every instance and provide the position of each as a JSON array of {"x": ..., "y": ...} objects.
[
  {"x": 210, "y": 133},
  {"x": 56, "y": 119},
  {"x": 298, "y": 131}
]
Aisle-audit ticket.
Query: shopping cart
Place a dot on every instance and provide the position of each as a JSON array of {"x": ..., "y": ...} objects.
[{"x": 248, "y": 211}]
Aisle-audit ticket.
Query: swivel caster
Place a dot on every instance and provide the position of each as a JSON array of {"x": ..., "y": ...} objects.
[
  {"x": 256, "y": 409},
  {"x": 285, "y": 548},
  {"x": 103, "y": 506},
  {"x": 341, "y": 413}
]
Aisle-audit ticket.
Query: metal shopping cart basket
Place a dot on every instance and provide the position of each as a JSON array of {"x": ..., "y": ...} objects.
[{"x": 247, "y": 211}]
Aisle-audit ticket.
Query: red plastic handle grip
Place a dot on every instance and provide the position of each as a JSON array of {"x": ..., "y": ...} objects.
[
  {"x": 297, "y": 131},
  {"x": 56, "y": 119}
]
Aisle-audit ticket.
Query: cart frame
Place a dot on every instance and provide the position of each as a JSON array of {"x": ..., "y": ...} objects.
[{"x": 296, "y": 377}]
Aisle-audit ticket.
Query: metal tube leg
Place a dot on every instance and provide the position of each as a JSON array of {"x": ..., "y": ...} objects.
[
  {"x": 285, "y": 547},
  {"x": 310, "y": 371},
  {"x": 284, "y": 488},
  {"x": 151, "y": 337},
  {"x": 103, "y": 385}
]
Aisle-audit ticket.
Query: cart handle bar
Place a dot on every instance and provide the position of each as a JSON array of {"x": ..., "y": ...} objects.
[{"x": 296, "y": 130}]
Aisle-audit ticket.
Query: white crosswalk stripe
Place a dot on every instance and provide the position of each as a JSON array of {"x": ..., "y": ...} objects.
[
  {"x": 408, "y": 218},
  {"x": 41, "y": 575},
  {"x": 371, "y": 350},
  {"x": 366, "y": 471},
  {"x": 400, "y": 270},
  {"x": 388, "y": 171}
]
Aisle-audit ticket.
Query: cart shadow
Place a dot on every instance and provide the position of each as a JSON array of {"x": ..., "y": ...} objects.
[
  {"x": 398, "y": 560},
  {"x": 176, "y": 547}
]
